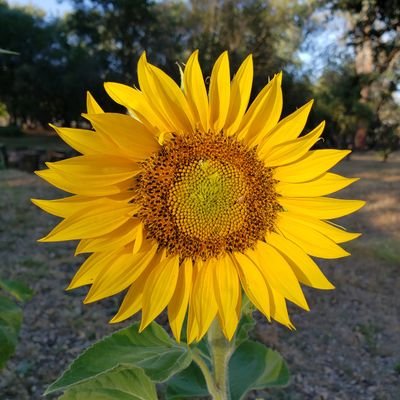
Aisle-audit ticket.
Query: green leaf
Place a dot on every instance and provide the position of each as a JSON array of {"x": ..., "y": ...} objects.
[
  {"x": 10, "y": 324},
  {"x": 17, "y": 289},
  {"x": 255, "y": 366},
  {"x": 188, "y": 383},
  {"x": 122, "y": 383},
  {"x": 246, "y": 324},
  {"x": 153, "y": 350}
]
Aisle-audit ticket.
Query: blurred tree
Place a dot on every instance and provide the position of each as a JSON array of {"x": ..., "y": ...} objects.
[
  {"x": 24, "y": 35},
  {"x": 119, "y": 30},
  {"x": 101, "y": 40},
  {"x": 374, "y": 36},
  {"x": 271, "y": 30},
  {"x": 338, "y": 102}
]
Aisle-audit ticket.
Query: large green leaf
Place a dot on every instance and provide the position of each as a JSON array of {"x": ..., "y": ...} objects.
[
  {"x": 255, "y": 366},
  {"x": 188, "y": 383},
  {"x": 17, "y": 289},
  {"x": 153, "y": 350},
  {"x": 122, "y": 383},
  {"x": 10, "y": 324}
]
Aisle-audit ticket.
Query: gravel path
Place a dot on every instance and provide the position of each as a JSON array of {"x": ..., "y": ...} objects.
[{"x": 346, "y": 348}]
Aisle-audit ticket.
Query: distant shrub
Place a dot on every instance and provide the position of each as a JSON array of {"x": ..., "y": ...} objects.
[{"x": 10, "y": 131}]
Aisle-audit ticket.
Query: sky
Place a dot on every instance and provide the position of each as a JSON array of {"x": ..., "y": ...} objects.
[{"x": 53, "y": 8}]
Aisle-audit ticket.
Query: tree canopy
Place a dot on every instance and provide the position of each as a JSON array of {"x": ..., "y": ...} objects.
[{"x": 58, "y": 59}]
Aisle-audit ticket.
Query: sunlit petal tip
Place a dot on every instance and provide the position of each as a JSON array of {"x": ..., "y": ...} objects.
[
  {"x": 195, "y": 54},
  {"x": 38, "y": 173},
  {"x": 90, "y": 298},
  {"x": 309, "y": 103},
  {"x": 361, "y": 203},
  {"x": 143, "y": 57},
  {"x": 69, "y": 287},
  {"x": 143, "y": 325},
  {"x": 279, "y": 77},
  {"x": 92, "y": 105},
  {"x": 37, "y": 202},
  {"x": 116, "y": 319},
  {"x": 356, "y": 235}
]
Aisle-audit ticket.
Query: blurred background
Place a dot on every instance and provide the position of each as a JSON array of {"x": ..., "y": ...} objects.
[{"x": 345, "y": 54}]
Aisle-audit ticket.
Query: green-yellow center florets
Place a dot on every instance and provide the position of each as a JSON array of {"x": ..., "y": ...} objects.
[
  {"x": 206, "y": 194},
  {"x": 206, "y": 199}
]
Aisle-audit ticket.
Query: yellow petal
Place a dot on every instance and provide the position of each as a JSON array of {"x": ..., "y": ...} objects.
[
  {"x": 219, "y": 92},
  {"x": 325, "y": 184},
  {"x": 287, "y": 129},
  {"x": 92, "y": 268},
  {"x": 263, "y": 114},
  {"x": 71, "y": 185},
  {"x": 293, "y": 150},
  {"x": 192, "y": 330},
  {"x": 173, "y": 99},
  {"x": 66, "y": 206},
  {"x": 69, "y": 205},
  {"x": 179, "y": 302},
  {"x": 195, "y": 90},
  {"x": 119, "y": 238},
  {"x": 92, "y": 105},
  {"x": 149, "y": 90},
  {"x": 240, "y": 95},
  {"x": 132, "y": 302},
  {"x": 93, "y": 171},
  {"x": 138, "y": 237},
  {"x": 338, "y": 235},
  {"x": 84, "y": 141},
  {"x": 303, "y": 266},
  {"x": 133, "y": 138},
  {"x": 136, "y": 103},
  {"x": 252, "y": 282},
  {"x": 121, "y": 273},
  {"x": 311, "y": 241},
  {"x": 133, "y": 299},
  {"x": 226, "y": 287},
  {"x": 279, "y": 310},
  {"x": 277, "y": 273},
  {"x": 320, "y": 207},
  {"x": 204, "y": 302},
  {"x": 92, "y": 222},
  {"x": 163, "y": 92},
  {"x": 312, "y": 165},
  {"x": 159, "y": 288}
]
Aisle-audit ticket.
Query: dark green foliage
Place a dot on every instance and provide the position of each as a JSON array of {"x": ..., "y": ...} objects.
[
  {"x": 10, "y": 131},
  {"x": 10, "y": 316}
]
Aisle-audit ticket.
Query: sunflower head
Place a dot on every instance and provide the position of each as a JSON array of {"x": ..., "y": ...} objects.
[{"x": 195, "y": 196}]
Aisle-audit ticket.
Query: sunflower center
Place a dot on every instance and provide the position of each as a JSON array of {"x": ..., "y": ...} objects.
[
  {"x": 206, "y": 199},
  {"x": 206, "y": 194}
]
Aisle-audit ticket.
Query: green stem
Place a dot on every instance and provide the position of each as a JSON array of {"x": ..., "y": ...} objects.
[
  {"x": 221, "y": 350},
  {"x": 211, "y": 386}
]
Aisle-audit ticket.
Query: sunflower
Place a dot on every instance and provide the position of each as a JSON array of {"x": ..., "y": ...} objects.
[{"x": 192, "y": 198}]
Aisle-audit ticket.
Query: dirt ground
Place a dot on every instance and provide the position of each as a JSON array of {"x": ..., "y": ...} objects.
[{"x": 346, "y": 348}]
